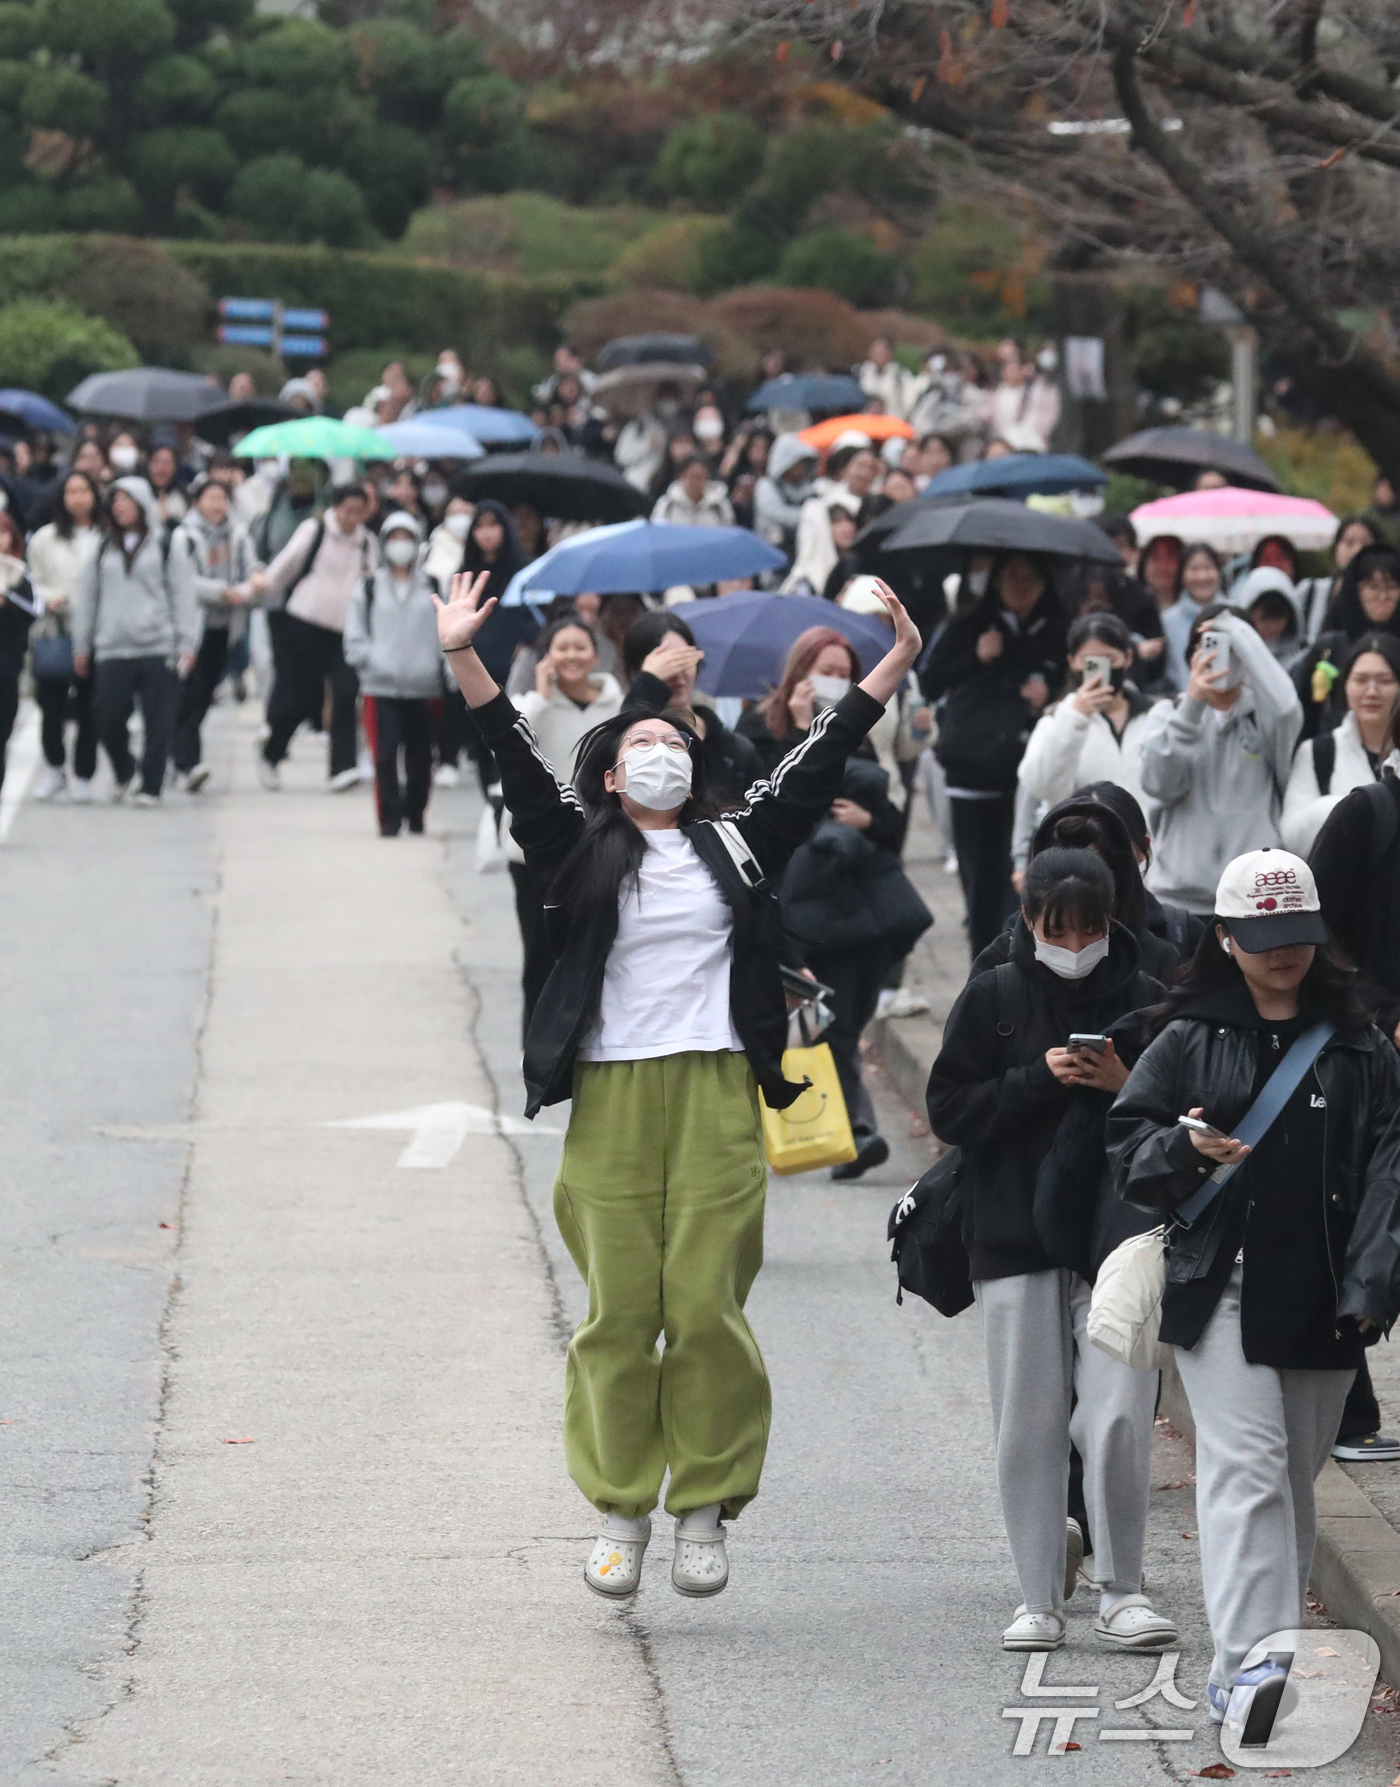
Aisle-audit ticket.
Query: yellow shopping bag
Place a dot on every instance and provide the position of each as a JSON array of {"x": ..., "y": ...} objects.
[{"x": 815, "y": 1131}]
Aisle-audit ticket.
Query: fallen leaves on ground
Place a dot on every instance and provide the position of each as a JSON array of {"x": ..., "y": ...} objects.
[
  {"x": 1325, "y": 1650},
  {"x": 247, "y": 1442},
  {"x": 1188, "y": 1535},
  {"x": 1216, "y": 1772}
]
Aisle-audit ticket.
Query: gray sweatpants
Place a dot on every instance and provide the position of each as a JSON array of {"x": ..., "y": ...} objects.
[
  {"x": 1262, "y": 1436},
  {"x": 1038, "y": 1360}
]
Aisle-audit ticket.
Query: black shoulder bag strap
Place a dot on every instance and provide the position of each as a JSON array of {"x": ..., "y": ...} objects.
[{"x": 1324, "y": 760}]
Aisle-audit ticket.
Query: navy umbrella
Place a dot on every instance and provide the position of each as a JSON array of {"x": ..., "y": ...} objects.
[
  {"x": 31, "y": 410},
  {"x": 746, "y": 636},
  {"x": 1020, "y": 474},
  {"x": 649, "y": 555},
  {"x": 837, "y": 393},
  {"x": 995, "y": 525}
]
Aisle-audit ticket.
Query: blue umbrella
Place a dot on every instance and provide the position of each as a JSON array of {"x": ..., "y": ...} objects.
[
  {"x": 415, "y": 439},
  {"x": 1020, "y": 474},
  {"x": 36, "y": 411},
  {"x": 492, "y": 427},
  {"x": 746, "y": 636},
  {"x": 537, "y": 575},
  {"x": 810, "y": 391},
  {"x": 650, "y": 555}
]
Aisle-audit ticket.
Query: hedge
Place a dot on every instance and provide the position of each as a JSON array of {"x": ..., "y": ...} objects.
[{"x": 374, "y": 299}]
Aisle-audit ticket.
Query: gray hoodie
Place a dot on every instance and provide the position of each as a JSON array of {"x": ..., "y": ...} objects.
[
  {"x": 393, "y": 642},
  {"x": 147, "y": 610},
  {"x": 777, "y": 507},
  {"x": 218, "y": 557},
  {"x": 1215, "y": 780}
]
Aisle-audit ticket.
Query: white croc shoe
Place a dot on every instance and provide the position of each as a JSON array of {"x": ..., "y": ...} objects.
[
  {"x": 614, "y": 1567},
  {"x": 1034, "y": 1631},
  {"x": 1135, "y": 1625},
  {"x": 701, "y": 1567}
]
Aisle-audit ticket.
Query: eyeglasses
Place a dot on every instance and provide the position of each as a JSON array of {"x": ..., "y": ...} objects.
[
  {"x": 673, "y": 742},
  {"x": 1381, "y": 684}
]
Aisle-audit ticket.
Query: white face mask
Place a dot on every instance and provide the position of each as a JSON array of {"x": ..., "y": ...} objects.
[
  {"x": 1071, "y": 964},
  {"x": 658, "y": 778},
  {"x": 131, "y": 540},
  {"x": 457, "y": 526},
  {"x": 434, "y": 495},
  {"x": 399, "y": 551},
  {"x": 829, "y": 689},
  {"x": 125, "y": 459}
]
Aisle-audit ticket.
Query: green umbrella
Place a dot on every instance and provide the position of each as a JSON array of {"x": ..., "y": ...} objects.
[{"x": 314, "y": 437}]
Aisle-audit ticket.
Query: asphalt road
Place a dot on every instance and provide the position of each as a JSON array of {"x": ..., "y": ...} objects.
[{"x": 384, "y": 1584}]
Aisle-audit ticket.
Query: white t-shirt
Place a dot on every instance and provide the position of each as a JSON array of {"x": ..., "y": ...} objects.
[{"x": 666, "y": 985}]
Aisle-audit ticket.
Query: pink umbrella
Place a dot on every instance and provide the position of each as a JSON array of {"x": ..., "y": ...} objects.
[{"x": 1234, "y": 520}]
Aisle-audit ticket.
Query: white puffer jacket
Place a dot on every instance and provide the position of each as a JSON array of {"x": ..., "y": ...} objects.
[{"x": 1305, "y": 807}]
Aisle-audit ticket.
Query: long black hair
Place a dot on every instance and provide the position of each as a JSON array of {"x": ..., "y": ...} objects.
[
  {"x": 63, "y": 523},
  {"x": 1344, "y": 612},
  {"x": 645, "y": 634},
  {"x": 610, "y": 851},
  {"x": 507, "y": 560},
  {"x": 1383, "y": 645},
  {"x": 1328, "y": 990}
]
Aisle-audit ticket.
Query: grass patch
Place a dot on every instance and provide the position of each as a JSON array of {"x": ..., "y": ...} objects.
[{"x": 530, "y": 233}]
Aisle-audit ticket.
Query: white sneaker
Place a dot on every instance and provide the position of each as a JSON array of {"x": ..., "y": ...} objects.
[
  {"x": 364, "y": 767},
  {"x": 269, "y": 774},
  {"x": 142, "y": 799},
  {"x": 348, "y": 778},
  {"x": 118, "y": 794},
  {"x": 614, "y": 1567},
  {"x": 53, "y": 781},
  {"x": 1134, "y": 1625},
  {"x": 447, "y": 775},
  {"x": 81, "y": 792},
  {"x": 197, "y": 777},
  {"x": 899, "y": 1002},
  {"x": 1034, "y": 1631},
  {"x": 701, "y": 1566}
]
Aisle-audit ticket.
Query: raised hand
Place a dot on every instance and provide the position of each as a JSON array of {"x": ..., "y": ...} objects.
[{"x": 461, "y": 617}]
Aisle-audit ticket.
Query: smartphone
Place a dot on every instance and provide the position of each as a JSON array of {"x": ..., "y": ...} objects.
[
  {"x": 1201, "y": 1127},
  {"x": 1218, "y": 645},
  {"x": 1101, "y": 667},
  {"x": 1080, "y": 1040}
]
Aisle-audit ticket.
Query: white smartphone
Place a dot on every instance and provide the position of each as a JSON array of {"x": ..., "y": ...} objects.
[
  {"x": 1201, "y": 1127},
  {"x": 1081, "y": 1040},
  {"x": 1096, "y": 666},
  {"x": 1218, "y": 645}
]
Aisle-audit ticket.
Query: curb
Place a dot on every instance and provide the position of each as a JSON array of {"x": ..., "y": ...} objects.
[{"x": 1356, "y": 1566}]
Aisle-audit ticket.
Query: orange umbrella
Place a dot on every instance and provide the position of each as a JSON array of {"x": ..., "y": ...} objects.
[{"x": 880, "y": 428}]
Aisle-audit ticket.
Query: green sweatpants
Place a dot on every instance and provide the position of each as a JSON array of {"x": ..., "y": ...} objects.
[{"x": 660, "y": 1200}]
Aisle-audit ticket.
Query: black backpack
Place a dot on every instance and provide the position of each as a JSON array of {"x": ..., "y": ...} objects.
[{"x": 925, "y": 1229}]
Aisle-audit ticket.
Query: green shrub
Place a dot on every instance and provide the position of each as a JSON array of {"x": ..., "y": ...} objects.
[
  {"x": 738, "y": 254},
  {"x": 165, "y": 160},
  {"x": 111, "y": 33},
  {"x": 31, "y": 266},
  {"x": 26, "y": 205},
  {"x": 177, "y": 89},
  {"x": 160, "y": 306},
  {"x": 280, "y": 199},
  {"x": 333, "y": 210},
  {"x": 481, "y": 111},
  {"x": 49, "y": 347},
  {"x": 106, "y": 202},
  {"x": 63, "y": 99},
  {"x": 19, "y": 31},
  {"x": 669, "y": 258},
  {"x": 14, "y": 78},
  {"x": 530, "y": 233},
  {"x": 199, "y": 16},
  {"x": 297, "y": 56},
  {"x": 711, "y": 159},
  {"x": 839, "y": 261},
  {"x": 392, "y": 167},
  {"x": 976, "y": 271},
  {"x": 258, "y": 122},
  {"x": 401, "y": 67}
]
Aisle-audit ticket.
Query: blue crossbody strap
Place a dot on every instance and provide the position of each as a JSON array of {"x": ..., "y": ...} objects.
[{"x": 1282, "y": 1083}]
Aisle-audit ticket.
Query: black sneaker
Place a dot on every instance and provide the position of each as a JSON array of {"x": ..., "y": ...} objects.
[
  {"x": 874, "y": 1151},
  {"x": 1372, "y": 1447}
]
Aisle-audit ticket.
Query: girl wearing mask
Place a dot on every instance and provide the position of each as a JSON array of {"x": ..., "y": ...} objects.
[
  {"x": 1367, "y": 600},
  {"x": 1328, "y": 767},
  {"x": 993, "y": 669},
  {"x": 662, "y": 1016},
  {"x": 124, "y": 453},
  {"x": 222, "y": 562},
  {"x": 660, "y": 661},
  {"x": 1199, "y": 582},
  {"x": 1004, "y": 1080},
  {"x": 1287, "y": 1274},
  {"x": 447, "y": 541},
  {"x": 58, "y": 552}
]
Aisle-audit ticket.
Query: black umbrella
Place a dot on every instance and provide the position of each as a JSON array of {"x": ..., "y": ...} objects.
[
  {"x": 148, "y": 394},
  {"x": 565, "y": 486},
  {"x": 994, "y": 525},
  {"x": 641, "y": 350},
  {"x": 217, "y": 426},
  {"x": 1177, "y": 456}
]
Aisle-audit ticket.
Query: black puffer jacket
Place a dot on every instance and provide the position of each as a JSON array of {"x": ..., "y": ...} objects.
[
  {"x": 1209, "y": 1056},
  {"x": 992, "y": 1093},
  {"x": 1358, "y": 882},
  {"x": 547, "y": 820}
]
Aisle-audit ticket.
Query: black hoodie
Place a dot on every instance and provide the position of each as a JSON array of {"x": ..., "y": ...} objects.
[{"x": 992, "y": 1092}]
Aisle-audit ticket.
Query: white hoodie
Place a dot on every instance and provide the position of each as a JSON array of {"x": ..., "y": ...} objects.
[{"x": 1305, "y": 808}]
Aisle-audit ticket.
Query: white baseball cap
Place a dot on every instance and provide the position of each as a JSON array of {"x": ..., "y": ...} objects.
[{"x": 1267, "y": 899}]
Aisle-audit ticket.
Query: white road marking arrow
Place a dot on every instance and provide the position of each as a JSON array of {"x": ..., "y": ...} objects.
[{"x": 440, "y": 1129}]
